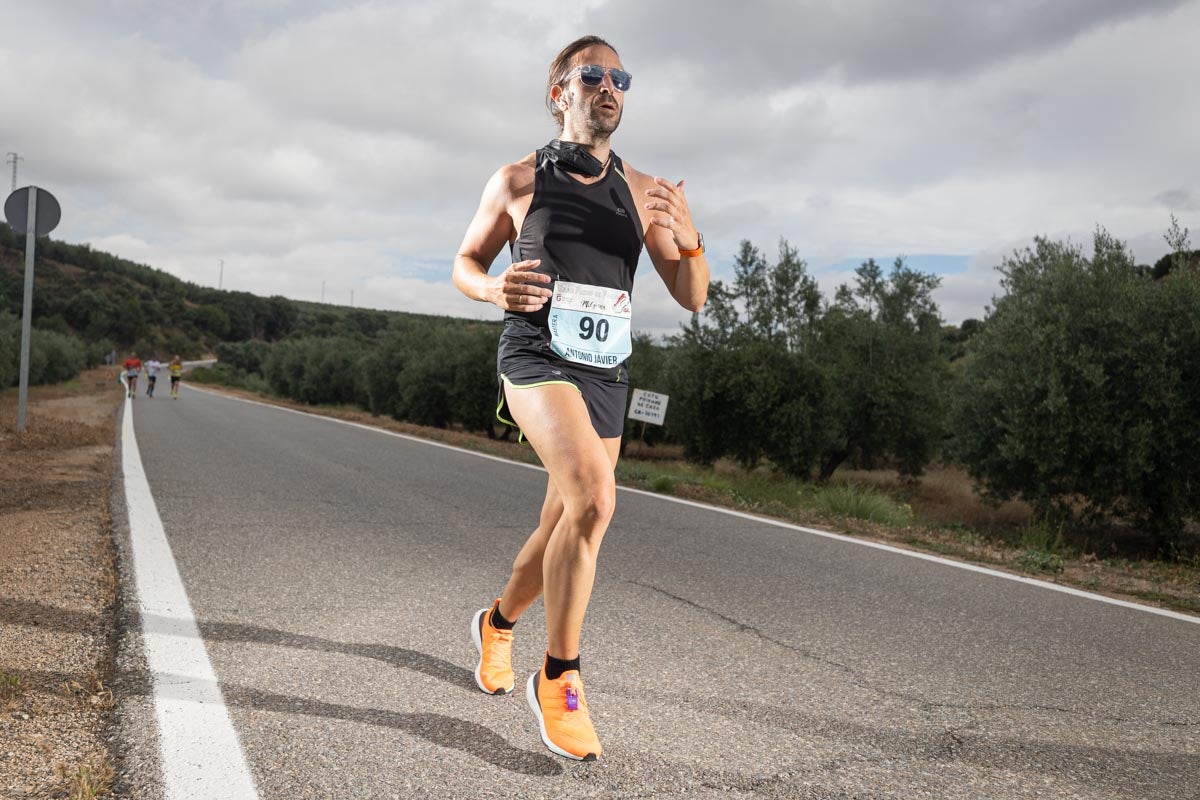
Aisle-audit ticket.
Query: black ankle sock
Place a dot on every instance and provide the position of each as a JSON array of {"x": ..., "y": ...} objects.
[
  {"x": 497, "y": 619},
  {"x": 555, "y": 667}
]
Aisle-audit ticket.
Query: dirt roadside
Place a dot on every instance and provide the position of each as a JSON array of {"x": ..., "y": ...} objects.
[{"x": 58, "y": 589}]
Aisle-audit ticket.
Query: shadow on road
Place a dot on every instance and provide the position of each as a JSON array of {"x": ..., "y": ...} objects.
[
  {"x": 439, "y": 729},
  {"x": 388, "y": 654},
  {"x": 1147, "y": 770}
]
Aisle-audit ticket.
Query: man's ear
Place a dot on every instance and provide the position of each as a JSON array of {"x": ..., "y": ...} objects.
[{"x": 557, "y": 94}]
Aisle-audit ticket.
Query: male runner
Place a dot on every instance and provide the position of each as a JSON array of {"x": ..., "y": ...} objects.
[
  {"x": 132, "y": 365},
  {"x": 152, "y": 367},
  {"x": 575, "y": 217},
  {"x": 175, "y": 368}
]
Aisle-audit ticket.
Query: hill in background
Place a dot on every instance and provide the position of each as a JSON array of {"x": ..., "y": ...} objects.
[{"x": 110, "y": 303}]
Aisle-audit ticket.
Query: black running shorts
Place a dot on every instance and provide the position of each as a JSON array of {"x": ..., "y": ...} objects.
[{"x": 524, "y": 360}]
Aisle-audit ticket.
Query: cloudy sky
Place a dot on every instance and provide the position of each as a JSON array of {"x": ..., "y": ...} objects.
[{"x": 307, "y": 142}]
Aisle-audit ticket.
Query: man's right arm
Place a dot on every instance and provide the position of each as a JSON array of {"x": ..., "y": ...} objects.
[
  {"x": 518, "y": 288},
  {"x": 489, "y": 230}
]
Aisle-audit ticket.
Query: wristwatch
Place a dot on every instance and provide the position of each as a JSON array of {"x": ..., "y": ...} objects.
[{"x": 699, "y": 249}]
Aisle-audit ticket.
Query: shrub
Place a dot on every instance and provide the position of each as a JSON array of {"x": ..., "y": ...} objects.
[
  {"x": 53, "y": 356},
  {"x": 1082, "y": 391},
  {"x": 858, "y": 502}
]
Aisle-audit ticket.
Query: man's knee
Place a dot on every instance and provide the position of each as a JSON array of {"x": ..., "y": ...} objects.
[{"x": 593, "y": 506}]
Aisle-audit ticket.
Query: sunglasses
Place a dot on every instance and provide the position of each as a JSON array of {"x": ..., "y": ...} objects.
[{"x": 593, "y": 75}]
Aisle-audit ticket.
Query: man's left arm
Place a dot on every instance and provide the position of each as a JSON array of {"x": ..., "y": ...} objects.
[{"x": 670, "y": 231}]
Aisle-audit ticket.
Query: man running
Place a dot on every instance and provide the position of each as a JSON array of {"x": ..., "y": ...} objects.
[
  {"x": 133, "y": 365},
  {"x": 575, "y": 217},
  {"x": 175, "y": 368},
  {"x": 152, "y": 367}
]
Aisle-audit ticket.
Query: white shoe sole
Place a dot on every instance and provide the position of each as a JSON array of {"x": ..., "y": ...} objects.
[
  {"x": 478, "y": 640},
  {"x": 536, "y": 707}
]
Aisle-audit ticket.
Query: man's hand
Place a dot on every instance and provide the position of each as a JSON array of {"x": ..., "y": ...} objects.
[
  {"x": 518, "y": 288},
  {"x": 676, "y": 216}
]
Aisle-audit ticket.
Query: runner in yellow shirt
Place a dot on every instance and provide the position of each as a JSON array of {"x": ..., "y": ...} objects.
[{"x": 175, "y": 368}]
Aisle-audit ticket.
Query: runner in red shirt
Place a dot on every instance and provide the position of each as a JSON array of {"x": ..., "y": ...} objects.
[{"x": 133, "y": 366}]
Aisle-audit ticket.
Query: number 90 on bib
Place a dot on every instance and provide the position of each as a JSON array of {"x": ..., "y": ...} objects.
[{"x": 590, "y": 324}]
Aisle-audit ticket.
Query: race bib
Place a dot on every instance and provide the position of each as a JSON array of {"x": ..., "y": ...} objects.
[{"x": 590, "y": 324}]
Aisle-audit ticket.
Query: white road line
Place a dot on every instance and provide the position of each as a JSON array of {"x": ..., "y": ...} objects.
[
  {"x": 1163, "y": 612},
  {"x": 201, "y": 755}
]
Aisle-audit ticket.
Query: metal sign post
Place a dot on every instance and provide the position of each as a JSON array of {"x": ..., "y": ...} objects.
[{"x": 37, "y": 212}]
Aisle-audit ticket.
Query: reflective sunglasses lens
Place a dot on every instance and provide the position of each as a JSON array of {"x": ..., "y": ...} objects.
[
  {"x": 621, "y": 80},
  {"x": 591, "y": 75}
]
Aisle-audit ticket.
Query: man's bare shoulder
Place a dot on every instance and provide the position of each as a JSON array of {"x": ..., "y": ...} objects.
[
  {"x": 636, "y": 179},
  {"x": 517, "y": 178}
]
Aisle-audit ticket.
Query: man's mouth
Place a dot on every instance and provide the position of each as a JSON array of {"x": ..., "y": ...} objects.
[{"x": 609, "y": 105}]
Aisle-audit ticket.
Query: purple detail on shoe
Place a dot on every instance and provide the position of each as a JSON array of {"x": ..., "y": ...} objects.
[{"x": 572, "y": 699}]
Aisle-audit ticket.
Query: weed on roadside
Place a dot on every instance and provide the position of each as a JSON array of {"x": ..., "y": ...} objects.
[
  {"x": 99, "y": 695},
  {"x": 10, "y": 691},
  {"x": 1039, "y": 561},
  {"x": 87, "y": 781},
  {"x": 858, "y": 502},
  {"x": 1044, "y": 536},
  {"x": 663, "y": 484},
  {"x": 1043, "y": 548}
]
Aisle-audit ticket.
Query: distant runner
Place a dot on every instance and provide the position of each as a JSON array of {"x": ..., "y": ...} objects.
[
  {"x": 575, "y": 217},
  {"x": 175, "y": 368},
  {"x": 133, "y": 365},
  {"x": 152, "y": 367}
]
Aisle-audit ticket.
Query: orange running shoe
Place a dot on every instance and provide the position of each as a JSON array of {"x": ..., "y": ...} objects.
[
  {"x": 493, "y": 673},
  {"x": 562, "y": 714}
]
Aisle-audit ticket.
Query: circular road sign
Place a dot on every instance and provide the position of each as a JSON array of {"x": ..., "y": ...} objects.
[{"x": 16, "y": 211}]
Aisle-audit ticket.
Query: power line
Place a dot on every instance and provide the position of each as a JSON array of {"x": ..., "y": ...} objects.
[{"x": 13, "y": 158}]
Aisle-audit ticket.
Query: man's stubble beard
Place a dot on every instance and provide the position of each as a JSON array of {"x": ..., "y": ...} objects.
[{"x": 600, "y": 128}]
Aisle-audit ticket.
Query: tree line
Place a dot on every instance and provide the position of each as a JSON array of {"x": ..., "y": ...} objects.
[{"x": 1078, "y": 392}]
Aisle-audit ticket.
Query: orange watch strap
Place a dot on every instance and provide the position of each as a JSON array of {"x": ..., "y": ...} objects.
[{"x": 698, "y": 250}]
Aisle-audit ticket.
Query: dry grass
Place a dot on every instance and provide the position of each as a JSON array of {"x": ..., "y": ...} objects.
[
  {"x": 634, "y": 448},
  {"x": 944, "y": 496},
  {"x": 88, "y": 780},
  {"x": 10, "y": 691}
]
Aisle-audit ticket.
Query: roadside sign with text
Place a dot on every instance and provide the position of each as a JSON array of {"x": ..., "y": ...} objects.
[{"x": 648, "y": 407}]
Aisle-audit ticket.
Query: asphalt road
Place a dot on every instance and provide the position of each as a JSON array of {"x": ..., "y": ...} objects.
[{"x": 333, "y": 572}]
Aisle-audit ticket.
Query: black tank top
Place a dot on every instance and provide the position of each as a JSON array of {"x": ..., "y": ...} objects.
[{"x": 583, "y": 233}]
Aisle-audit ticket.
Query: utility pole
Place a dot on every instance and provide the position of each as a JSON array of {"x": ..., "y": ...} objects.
[
  {"x": 221, "y": 274},
  {"x": 13, "y": 158},
  {"x": 352, "y": 298},
  {"x": 322, "y": 291}
]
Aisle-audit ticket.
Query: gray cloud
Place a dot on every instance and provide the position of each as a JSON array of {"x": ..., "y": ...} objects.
[
  {"x": 305, "y": 141},
  {"x": 1178, "y": 200},
  {"x": 777, "y": 43}
]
